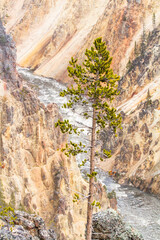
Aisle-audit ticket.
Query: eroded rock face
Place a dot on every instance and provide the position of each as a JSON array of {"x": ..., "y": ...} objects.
[
  {"x": 8, "y": 59},
  {"x": 110, "y": 226},
  {"x": 135, "y": 157},
  {"x": 136, "y": 152},
  {"x": 68, "y": 29},
  {"x": 48, "y": 33},
  {"x": 26, "y": 227}
]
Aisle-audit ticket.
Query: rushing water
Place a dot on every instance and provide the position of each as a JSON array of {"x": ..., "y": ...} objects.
[{"x": 139, "y": 209}]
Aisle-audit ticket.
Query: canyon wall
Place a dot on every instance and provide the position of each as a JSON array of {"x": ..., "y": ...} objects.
[
  {"x": 136, "y": 150},
  {"x": 34, "y": 175},
  {"x": 47, "y": 33}
]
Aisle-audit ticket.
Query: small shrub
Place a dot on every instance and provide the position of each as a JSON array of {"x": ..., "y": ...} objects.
[
  {"x": 105, "y": 188},
  {"x": 2, "y": 40},
  {"x": 112, "y": 195}
]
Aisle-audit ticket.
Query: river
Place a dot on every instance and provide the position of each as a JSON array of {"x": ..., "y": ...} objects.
[{"x": 140, "y": 209}]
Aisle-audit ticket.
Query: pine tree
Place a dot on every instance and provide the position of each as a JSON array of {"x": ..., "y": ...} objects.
[
  {"x": 95, "y": 88},
  {"x": 135, "y": 50},
  {"x": 143, "y": 41},
  {"x": 154, "y": 20},
  {"x": 149, "y": 101},
  {"x": 129, "y": 65},
  {"x": 148, "y": 38}
]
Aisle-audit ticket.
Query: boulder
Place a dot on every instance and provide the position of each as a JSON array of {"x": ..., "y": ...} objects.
[
  {"x": 109, "y": 225},
  {"x": 26, "y": 227}
]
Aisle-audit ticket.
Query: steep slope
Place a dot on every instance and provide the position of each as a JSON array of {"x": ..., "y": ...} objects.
[
  {"x": 33, "y": 175},
  {"x": 136, "y": 150},
  {"x": 48, "y": 33}
]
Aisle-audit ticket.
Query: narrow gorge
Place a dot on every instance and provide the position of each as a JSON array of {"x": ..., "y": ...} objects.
[{"x": 35, "y": 176}]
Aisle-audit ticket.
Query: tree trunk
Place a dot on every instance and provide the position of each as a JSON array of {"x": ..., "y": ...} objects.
[{"x": 91, "y": 180}]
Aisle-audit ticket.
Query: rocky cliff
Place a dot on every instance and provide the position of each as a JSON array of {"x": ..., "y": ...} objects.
[
  {"x": 106, "y": 225},
  {"x": 47, "y": 33},
  {"x": 34, "y": 176},
  {"x": 109, "y": 225},
  {"x": 136, "y": 149},
  {"x": 26, "y": 227}
]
